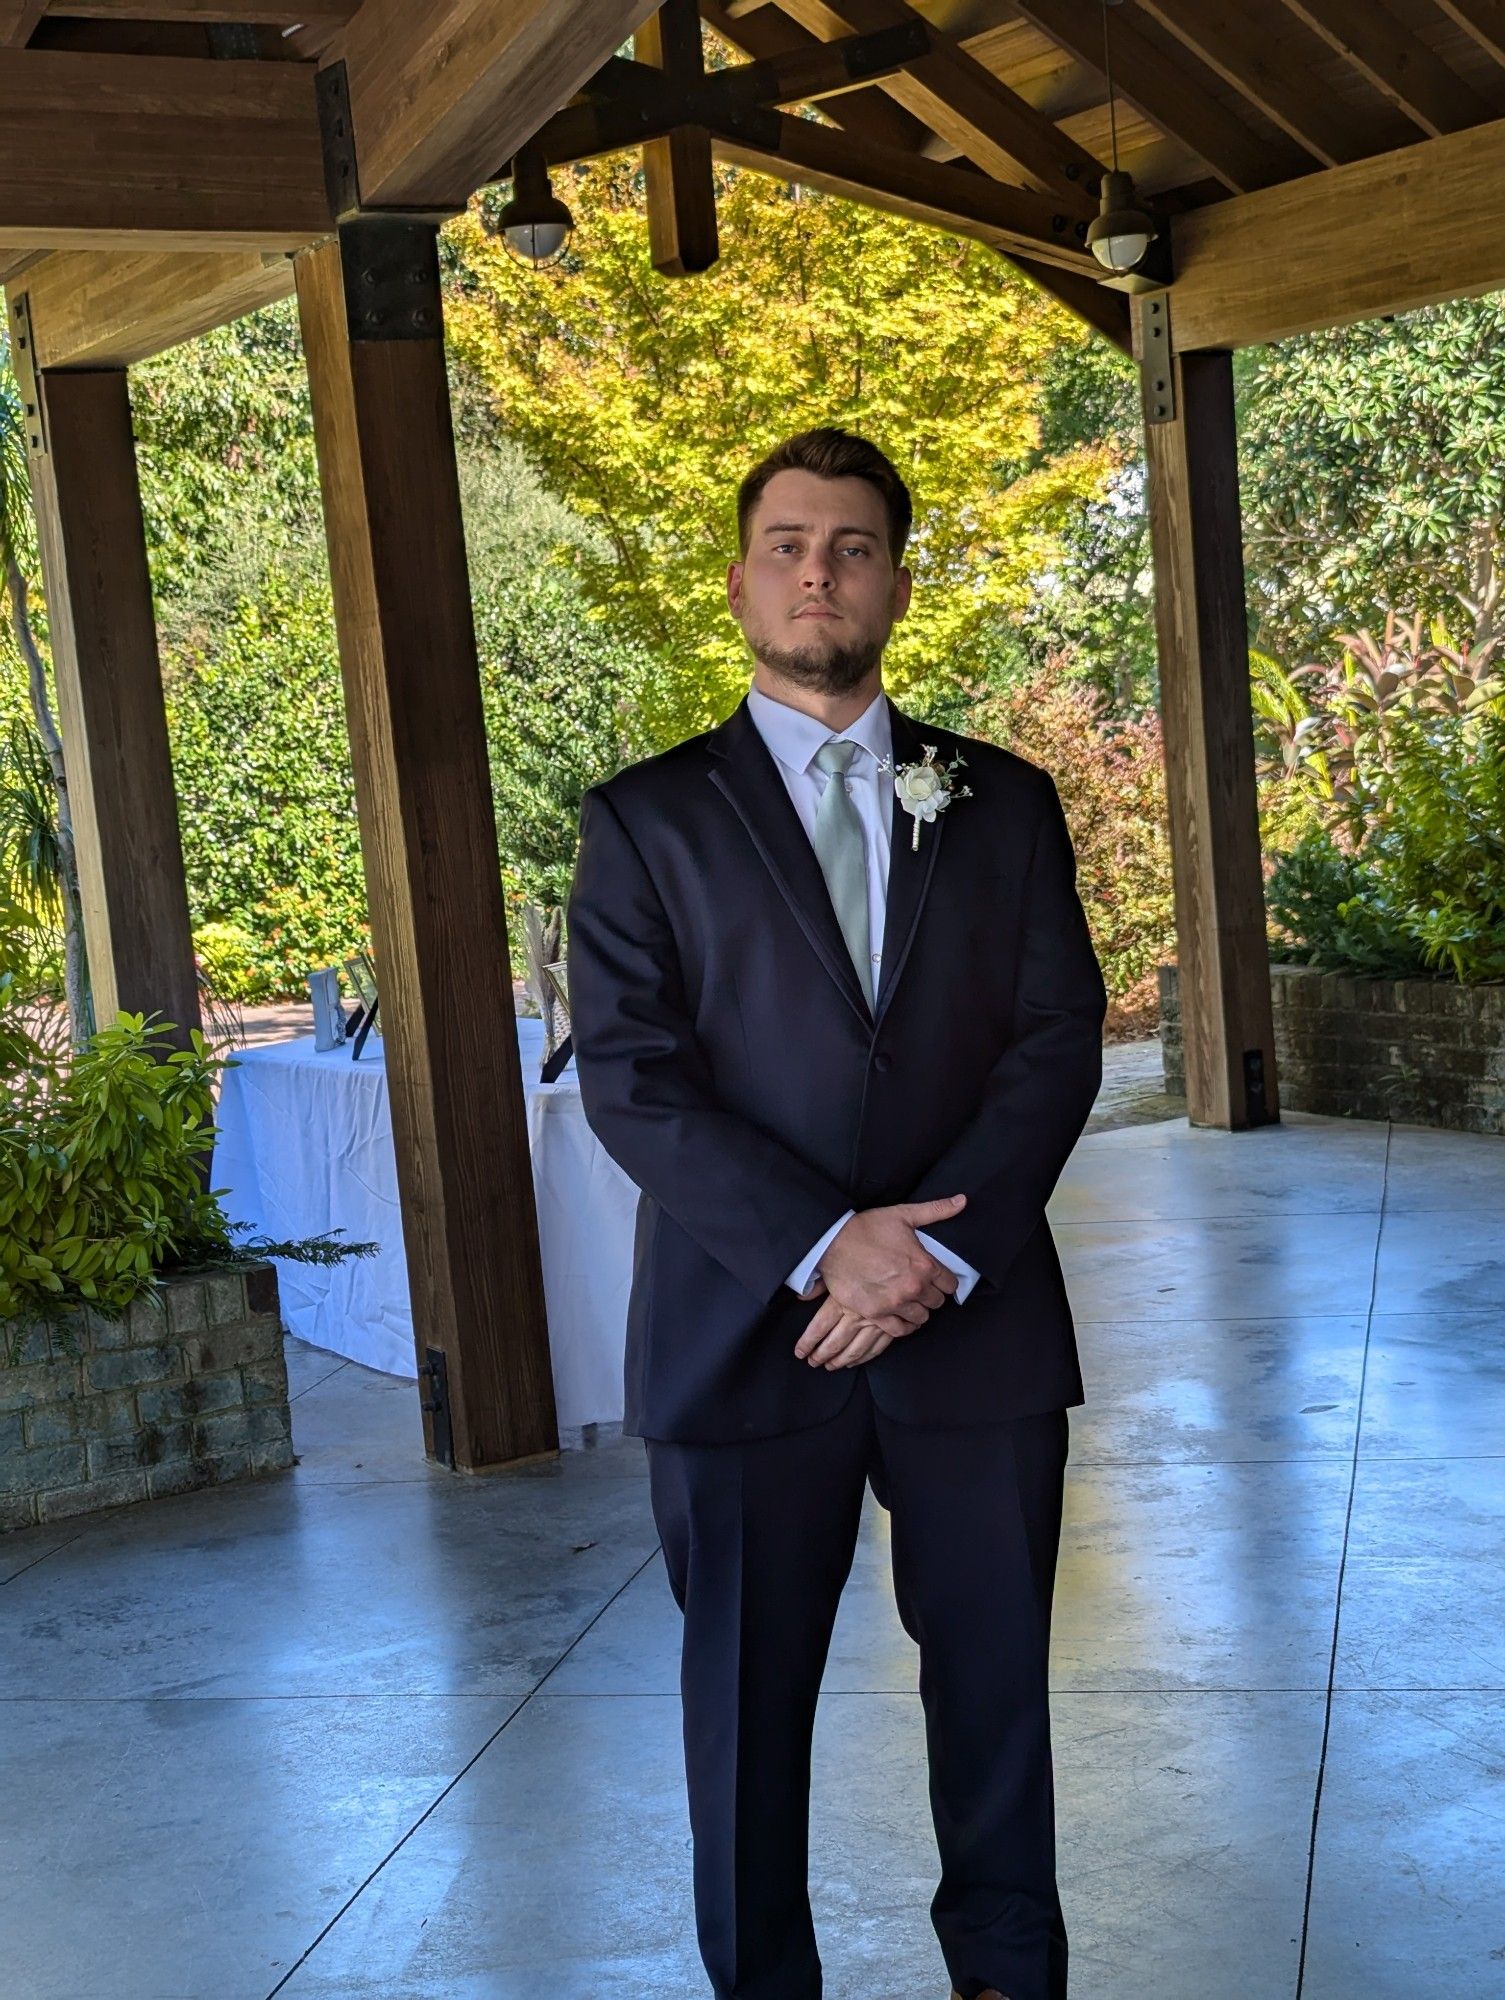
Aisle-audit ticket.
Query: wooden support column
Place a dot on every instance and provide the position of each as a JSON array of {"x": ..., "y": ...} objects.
[
  {"x": 82, "y": 456},
  {"x": 1202, "y": 632},
  {"x": 372, "y": 333}
]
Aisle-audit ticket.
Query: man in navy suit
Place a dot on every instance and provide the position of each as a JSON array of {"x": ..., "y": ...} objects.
[{"x": 843, "y": 1038}]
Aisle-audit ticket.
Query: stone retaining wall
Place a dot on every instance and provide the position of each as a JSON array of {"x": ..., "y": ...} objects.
[
  {"x": 188, "y": 1390},
  {"x": 1421, "y": 1051}
]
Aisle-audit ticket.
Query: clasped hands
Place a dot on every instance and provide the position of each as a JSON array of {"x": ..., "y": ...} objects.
[{"x": 879, "y": 1281}]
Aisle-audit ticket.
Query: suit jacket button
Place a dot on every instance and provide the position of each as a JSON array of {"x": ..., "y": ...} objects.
[{"x": 883, "y": 1062}]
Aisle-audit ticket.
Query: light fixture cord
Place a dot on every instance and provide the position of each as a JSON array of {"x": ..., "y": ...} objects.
[{"x": 1108, "y": 73}]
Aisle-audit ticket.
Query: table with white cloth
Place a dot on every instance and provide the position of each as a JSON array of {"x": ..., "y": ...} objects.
[{"x": 305, "y": 1146}]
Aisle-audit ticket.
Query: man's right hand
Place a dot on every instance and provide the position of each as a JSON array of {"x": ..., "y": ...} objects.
[{"x": 875, "y": 1265}]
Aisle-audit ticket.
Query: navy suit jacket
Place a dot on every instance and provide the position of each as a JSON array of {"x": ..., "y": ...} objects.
[{"x": 731, "y": 1066}]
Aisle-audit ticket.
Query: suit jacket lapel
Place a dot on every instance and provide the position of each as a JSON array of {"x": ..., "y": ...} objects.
[
  {"x": 909, "y": 868},
  {"x": 743, "y": 768}
]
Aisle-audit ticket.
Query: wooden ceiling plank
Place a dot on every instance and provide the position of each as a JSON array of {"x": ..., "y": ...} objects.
[
  {"x": 1278, "y": 76},
  {"x": 442, "y": 94},
  {"x": 1396, "y": 61},
  {"x": 1167, "y": 91},
  {"x": 951, "y": 198},
  {"x": 1483, "y": 19},
  {"x": 98, "y": 309},
  {"x": 188, "y": 151},
  {"x": 1409, "y": 228},
  {"x": 967, "y": 104}
]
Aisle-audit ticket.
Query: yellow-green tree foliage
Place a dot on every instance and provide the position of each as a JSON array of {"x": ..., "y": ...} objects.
[{"x": 642, "y": 399}]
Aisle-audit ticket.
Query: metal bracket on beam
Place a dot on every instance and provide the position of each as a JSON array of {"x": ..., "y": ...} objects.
[
  {"x": 436, "y": 1404},
  {"x": 337, "y": 128},
  {"x": 23, "y": 361},
  {"x": 391, "y": 270},
  {"x": 1157, "y": 378}
]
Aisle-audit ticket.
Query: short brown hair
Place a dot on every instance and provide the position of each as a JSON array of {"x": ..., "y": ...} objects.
[{"x": 831, "y": 454}]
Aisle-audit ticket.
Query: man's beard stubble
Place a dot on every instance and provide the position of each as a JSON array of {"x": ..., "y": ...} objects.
[{"x": 836, "y": 669}]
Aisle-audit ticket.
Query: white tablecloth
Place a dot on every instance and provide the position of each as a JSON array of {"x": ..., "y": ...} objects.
[{"x": 305, "y": 1145}]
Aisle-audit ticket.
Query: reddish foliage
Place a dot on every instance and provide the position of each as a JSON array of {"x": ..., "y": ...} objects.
[{"x": 1110, "y": 773}]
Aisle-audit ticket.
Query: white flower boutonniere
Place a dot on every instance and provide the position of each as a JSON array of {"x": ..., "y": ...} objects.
[{"x": 926, "y": 788}]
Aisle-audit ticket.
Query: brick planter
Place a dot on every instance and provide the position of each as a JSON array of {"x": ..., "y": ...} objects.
[
  {"x": 1421, "y": 1051},
  {"x": 188, "y": 1390}
]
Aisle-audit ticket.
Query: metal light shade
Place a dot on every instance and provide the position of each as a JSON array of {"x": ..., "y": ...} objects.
[
  {"x": 1121, "y": 233},
  {"x": 534, "y": 224}
]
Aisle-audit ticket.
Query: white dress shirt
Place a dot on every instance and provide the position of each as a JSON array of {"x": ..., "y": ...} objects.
[{"x": 793, "y": 739}]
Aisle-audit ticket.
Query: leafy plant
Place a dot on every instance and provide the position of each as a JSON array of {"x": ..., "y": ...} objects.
[
  {"x": 1329, "y": 726},
  {"x": 104, "y": 1152},
  {"x": 1416, "y": 884}
]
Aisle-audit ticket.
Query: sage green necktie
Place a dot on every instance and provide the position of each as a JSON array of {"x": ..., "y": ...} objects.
[{"x": 842, "y": 852}]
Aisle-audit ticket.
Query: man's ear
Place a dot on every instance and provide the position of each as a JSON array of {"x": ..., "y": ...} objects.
[
  {"x": 903, "y": 585},
  {"x": 733, "y": 585}
]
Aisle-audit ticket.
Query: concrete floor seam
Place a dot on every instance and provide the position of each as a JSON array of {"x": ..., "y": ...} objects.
[
  {"x": 439, "y": 1798},
  {"x": 1332, "y": 1667}
]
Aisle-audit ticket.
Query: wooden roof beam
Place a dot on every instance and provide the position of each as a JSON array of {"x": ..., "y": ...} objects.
[
  {"x": 1276, "y": 73},
  {"x": 1409, "y": 228},
  {"x": 1396, "y": 62},
  {"x": 107, "y": 309},
  {"x": 440, "y": 93},
  {"x": 1170, "y": 92},
  {"x": 18, "y": 21},
  {"x": 953, "y": 198},
  {"x": 868, "y": 114},
  {"x": 962, "y": 100},
  {"x": 261, "y": 13},
  {"x": 190, "y": 153},
  {"x": 677, "y": 168},
  {"x": 865, "y": 112},
  {"x": 629, "y": 103}
]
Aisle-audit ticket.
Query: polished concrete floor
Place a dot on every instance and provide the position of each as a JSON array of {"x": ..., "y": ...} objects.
[{"x": 372, "y": 1729}]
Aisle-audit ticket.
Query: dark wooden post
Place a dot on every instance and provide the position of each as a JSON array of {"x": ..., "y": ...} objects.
[
  {"x": 82, "y": 456},
  {"x": 372, "y": 334},
  {"x": 1202, "y": 631}
]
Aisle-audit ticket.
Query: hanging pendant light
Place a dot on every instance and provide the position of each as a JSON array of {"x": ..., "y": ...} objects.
[
  {"x": 1121, "y": 232},
  {"x": 535, "y": 225}
]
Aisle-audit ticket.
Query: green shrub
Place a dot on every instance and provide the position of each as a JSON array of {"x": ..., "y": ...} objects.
[
  {"x": 1388, "y": 767},
  {"x": 104, "y": 1153}
]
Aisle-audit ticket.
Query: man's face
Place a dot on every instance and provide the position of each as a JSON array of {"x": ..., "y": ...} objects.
[{"x": 817, "y": 593}]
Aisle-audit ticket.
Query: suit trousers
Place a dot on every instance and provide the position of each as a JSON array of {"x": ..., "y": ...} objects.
[{"x": 758, "y": 1540}]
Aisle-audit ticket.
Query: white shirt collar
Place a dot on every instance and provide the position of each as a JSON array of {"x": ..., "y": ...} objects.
[{"x": 794, "y": 737}]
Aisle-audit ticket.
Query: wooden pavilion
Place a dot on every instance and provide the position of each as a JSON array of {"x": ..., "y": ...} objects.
[{"x": 167, "y": 165}]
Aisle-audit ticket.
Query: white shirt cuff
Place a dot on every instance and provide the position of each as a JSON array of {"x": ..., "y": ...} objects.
[
  {"x": 967, "y": 1275},
  {"x": 803, "y": 1274}
]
